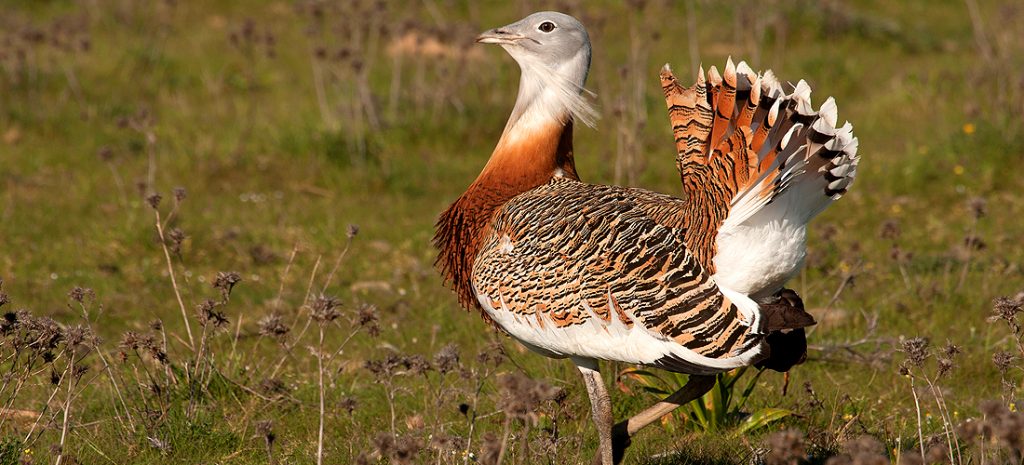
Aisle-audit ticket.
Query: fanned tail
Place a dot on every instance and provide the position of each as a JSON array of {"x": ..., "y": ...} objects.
[{"x": 744, "y": 144}]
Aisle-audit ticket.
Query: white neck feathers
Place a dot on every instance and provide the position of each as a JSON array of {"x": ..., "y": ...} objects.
[{"x": 550, "y": 94}]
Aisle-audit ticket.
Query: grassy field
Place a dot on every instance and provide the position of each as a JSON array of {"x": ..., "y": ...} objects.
[{"x": 281, "y": 290}]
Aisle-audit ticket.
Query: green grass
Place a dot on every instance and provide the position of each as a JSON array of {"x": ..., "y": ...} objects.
[{"x": 243, "y": 133}]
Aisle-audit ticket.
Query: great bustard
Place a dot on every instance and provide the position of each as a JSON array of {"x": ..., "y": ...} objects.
[{"x": 592, "y": 272}]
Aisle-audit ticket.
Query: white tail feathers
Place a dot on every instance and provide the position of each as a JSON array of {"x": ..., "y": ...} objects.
[{"x": 813, "y": 163}]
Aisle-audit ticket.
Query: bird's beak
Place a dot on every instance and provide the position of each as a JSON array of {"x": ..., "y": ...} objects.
[{"x": 499, "y": 36}]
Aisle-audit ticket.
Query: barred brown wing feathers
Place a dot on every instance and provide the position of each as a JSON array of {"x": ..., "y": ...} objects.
[
  {"x": 570, "y": 258},
  {"x": 784, "y": 143}
]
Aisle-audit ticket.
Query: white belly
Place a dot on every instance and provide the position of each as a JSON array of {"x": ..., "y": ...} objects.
[
  {"x": 758, "y": 259},
  {"x": 606, "y": 340}
]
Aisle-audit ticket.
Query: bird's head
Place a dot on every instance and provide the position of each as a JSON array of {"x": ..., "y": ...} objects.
[
  {"x": 546, "y": 37},
  {"x": 553, "y": 51}
]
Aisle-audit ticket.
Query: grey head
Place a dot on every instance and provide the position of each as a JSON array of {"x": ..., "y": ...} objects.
[
  {"x": 548, "y": 36},
  {"x": 553, "y": 51}
]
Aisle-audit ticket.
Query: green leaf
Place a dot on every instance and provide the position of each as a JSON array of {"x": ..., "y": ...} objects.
[{"x": 761, "y": 419}]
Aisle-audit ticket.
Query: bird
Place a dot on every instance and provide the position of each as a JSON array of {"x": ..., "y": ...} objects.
[{"x": 593, "y": 272}]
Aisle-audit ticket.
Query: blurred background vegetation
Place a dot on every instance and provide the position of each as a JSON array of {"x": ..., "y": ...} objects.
[{"x": 271, "y": 127}]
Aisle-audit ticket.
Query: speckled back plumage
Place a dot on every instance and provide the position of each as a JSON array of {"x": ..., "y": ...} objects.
[{"x": 570, "y": 265}]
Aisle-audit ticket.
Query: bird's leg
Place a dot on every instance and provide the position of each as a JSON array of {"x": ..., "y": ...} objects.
[
  {"x": 600, "y": 406},
  {"x": 622, "y": 432}
]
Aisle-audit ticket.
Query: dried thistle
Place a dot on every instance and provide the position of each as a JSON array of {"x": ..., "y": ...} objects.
[
  {"x": 447, "y": 359},
  {"x": 176, "y": 237},
  {"x": 225, "y": 282},
  {"x": 208, "y": 314},
  {"x": 786, "y": 448},
  {"x": 1006, "y": 309},
  {"x": 367, "y": 317},
  {"x": 1003, "y": 361},
  {"x": 974, "y": 242},
  {"x": 105, "y": 153},
  {"x": 890, "y": 230},
  {"x": 416, "y": 364},
  {"x": 399, "y": 449},
  {"x": 916, "y": 350},
  {"x": 348, "y": 404},
  {"x": 998, "y": 425},
  {"x": 978, "y": 207},
  {"x": 274, "y": 326},
  {"x": 80, "y": 294},
  {"x": 273, "y": 387},
  {"x": 129, "y": 340},
  {"x": 266, "y": 430},
  {"x": 522, "y": 396},
  {"x": 946, "y": 359},
  {"x": 324, "y": 309},
  {"x": 493, "y": 354},
  {"x": 79, "y": 337},
  {"x": 153, "y": 200},
  {"x": 385, "y": 367},
  {"x": 490, "y": 451}
]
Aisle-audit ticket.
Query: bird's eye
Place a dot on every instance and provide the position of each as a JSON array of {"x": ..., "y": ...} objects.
[{"x": 546, "y": 26}]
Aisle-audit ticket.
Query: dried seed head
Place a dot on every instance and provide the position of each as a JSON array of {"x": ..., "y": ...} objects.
[
  {"x": 80, "y": 294},
  {"x": 998, "y": 424},
  {"x": 353, "y": 230},
  {"x": 890, "y": 230},
  {"x": 153, "y": 200},
  {"x": 951, "y": 350},
  {"x": 1003, "y": 361},
  {"x": 446, "y": 444},
  {"x": 176, "y": 237},
  {"x": 75, "y": 336},
  {"x": 916, "y": 350},
  {"x": 416, "y": 364},
  {"x": 414, "y": 423},
  {"x": 324, "y": 309},
  {"x": 447, "y": 359},
  {"x": 367, "y": 317},
  {"x": 523, "y": 396},
  {"x": 785, "y": 448},
  {"x": 945, "y": 365},
  {"x": 491, "y": 449},
  {"x": 493, "y": 354},
  {"x": 400, "y": 450},
  {"x": 829, "y": 232},
  {"x": 385, "y": 367},
  {"x": 105, "y": 153},
  {"x": 179, "y": 194},
  {"x": 208, "y": 314},
  {"x": 348, "y": 404},
  {"x": 1006, "y": 309},
  {"x": 129, "y": 340},
  {"x": 273, "y": 387},
  {"x": 274, "y": 326},
  {"x": 225, "y": 281},
  {"x": 266, "y": 429},
  {"x": 978, "y": 207},
  {"x": 262, "y": 255},
  {"x": 974, "y": 242}
]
